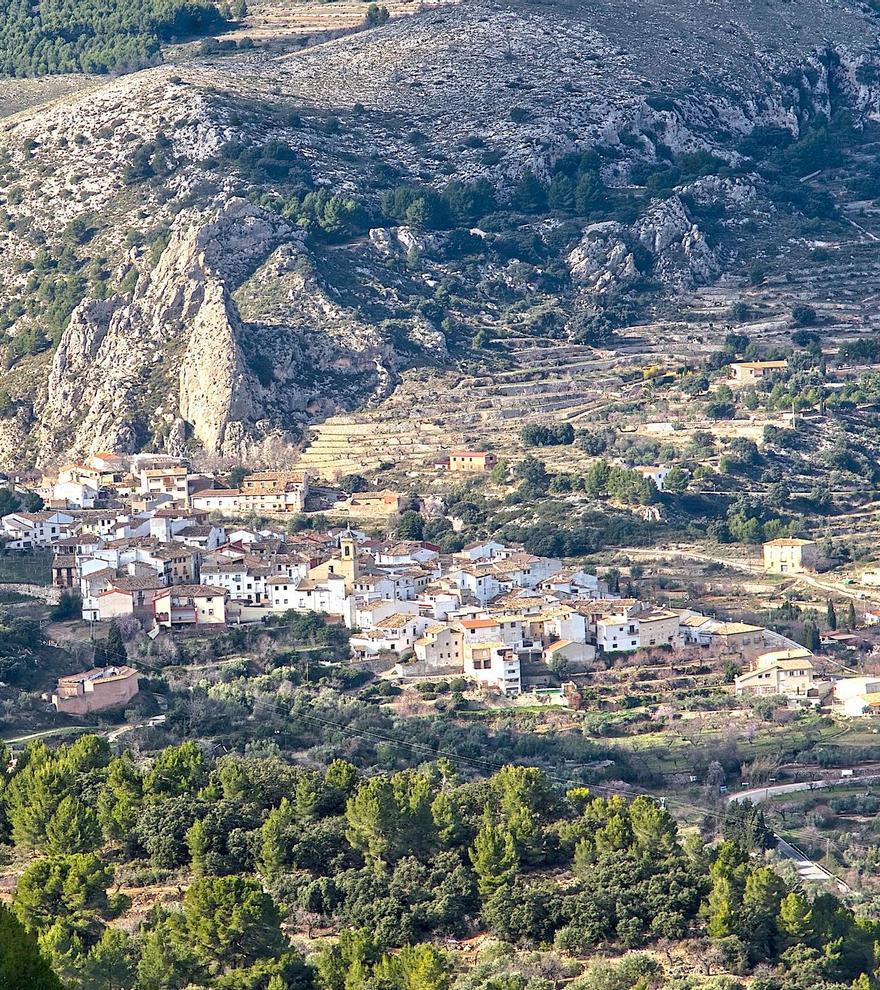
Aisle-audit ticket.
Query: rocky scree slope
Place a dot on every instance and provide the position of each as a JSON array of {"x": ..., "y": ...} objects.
[{"x": 208, "y": 318}]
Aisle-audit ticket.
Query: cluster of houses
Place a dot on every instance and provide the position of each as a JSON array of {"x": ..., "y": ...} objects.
[
  {"x": 108, "y": 481},
  {"x": 496, "y": 614},
  {"x": 791, "y": 673},
  {"x": 147, "y": 539}
]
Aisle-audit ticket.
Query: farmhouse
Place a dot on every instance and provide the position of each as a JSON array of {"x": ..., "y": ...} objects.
[
  {"x": 471, "y": 461},
  {"x": 749, "y": 372},
  {"x": 783, "y": 672},
  {"x": 789, "y": 556},
  {"x": 96, "y": 689}
]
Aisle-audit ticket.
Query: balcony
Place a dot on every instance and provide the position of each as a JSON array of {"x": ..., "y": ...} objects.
[{"x": 183, "y": 615}]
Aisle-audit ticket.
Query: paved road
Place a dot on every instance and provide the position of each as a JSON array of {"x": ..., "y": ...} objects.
[
  {"x": 808, "y": 869},
  {"x": 758, "y": 794}
]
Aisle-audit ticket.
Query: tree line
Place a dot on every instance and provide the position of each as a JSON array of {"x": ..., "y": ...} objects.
[
  {"x": 63, "y": 36},
  {"x": 393, "y": 862}
]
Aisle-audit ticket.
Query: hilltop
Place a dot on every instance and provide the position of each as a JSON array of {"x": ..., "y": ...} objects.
[{"x": 213, "y": 254}]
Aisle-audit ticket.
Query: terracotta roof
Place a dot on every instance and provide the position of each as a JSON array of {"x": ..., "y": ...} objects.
[
  {"x": 395, "y": 621},
  {"x": 99, "y": 674},
  {"x": 195, "y": 531},
  {"x": 132, "y": 583},
  {"x": 105, "y": 573},
  {"x": 193, "y": 591}
]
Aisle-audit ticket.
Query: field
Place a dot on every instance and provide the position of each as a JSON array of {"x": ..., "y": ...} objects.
[{"x": 30, "y": 569}]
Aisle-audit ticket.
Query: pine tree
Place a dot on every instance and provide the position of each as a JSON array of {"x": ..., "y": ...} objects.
[
  {"x": 723, "y": 909},
  {"x": 850, "y": 615},
  {"x": 111, "y": 963},
  {"x": 22, "y": 965},
  {"x": 62, "y": 943},
  {"x": 760, "y": 910},
  {"x": 493, "y": 856},
  {"x": 198, "y": 845},
  {"x": 306, "y": 798},
  {"x": 275, "y": 843},
  {"x": 120, "y": 800},
  {"x": 373, "y": 819},
  {"x": 73, "y": 828},
  {"x": 115, "y": 647},
  {"x": 422, "y": 967},
  {"x": 32, "y": 798},
  {"x": 447, "y": 819},
  {"x": 796, "y": 917},
  {"x": 176, "y": 770}
]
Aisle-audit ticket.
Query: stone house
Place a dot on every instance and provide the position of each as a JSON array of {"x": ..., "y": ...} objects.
[
  {"x": 96, "y": 689},
  {"x": 471, "y": 461},
  {"x": 171, "y": 480},
  {"x": 64, "y": 572},
  {"x": 749, "y": 372},
  {"x": 190, "y": 605},
  {"x": 788, "y": 555}
]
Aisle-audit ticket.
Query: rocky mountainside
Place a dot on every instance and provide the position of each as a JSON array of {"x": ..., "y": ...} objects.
[{"x": 208, "y": 255}]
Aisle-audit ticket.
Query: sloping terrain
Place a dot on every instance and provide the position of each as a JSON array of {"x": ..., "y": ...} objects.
[{"x": 213, "y": 254}]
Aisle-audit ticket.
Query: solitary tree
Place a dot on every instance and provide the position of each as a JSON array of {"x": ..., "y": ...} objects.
[
  {"x": 114, "y": 648},
  {"x": 830, "y": 615}
]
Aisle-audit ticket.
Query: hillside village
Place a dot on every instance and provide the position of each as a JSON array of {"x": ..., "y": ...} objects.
[{"x": 170, "y": 551}]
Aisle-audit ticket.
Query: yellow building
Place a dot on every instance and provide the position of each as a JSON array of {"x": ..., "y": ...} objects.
[
  {"x": 471, "y": 461},
  {"x": 344, "y": 563},
  {"x": 789, "y": 556},
  {"x": 749, "y": 372},
  {"x": 786, "y": 672}
]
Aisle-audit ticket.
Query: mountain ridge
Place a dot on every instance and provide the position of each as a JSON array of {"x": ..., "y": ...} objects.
[{"x": 478, "y": 92}]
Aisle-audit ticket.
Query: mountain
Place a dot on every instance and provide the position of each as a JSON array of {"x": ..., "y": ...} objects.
[{"x": 213, "y": 254}]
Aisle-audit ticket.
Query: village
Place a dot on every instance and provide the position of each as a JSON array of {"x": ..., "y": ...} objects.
[{"x": 169, "y": 552}]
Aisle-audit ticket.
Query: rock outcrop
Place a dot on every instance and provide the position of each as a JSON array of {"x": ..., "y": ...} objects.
[{"x": 168, "y": 360}]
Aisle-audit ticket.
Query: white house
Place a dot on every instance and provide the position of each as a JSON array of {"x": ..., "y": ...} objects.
[
  {"x": 656, "y": 474},
  {"x": 481, "y": 550},
  {"x": 75, "y": 494},
  {"x": 396, "y": 633},
  {"x": 618, "y": 633},
  {"x": 368, "y": 614},
  {"x": 32, "y": 530}
]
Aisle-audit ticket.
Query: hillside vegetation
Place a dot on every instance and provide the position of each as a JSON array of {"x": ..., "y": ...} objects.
[
  {"x": 61, "y": 36},
  {"x": 392, "y": 863}
]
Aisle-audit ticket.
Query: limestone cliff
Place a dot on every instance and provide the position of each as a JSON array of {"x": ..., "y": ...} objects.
[{"x": 166, "y": 360}]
